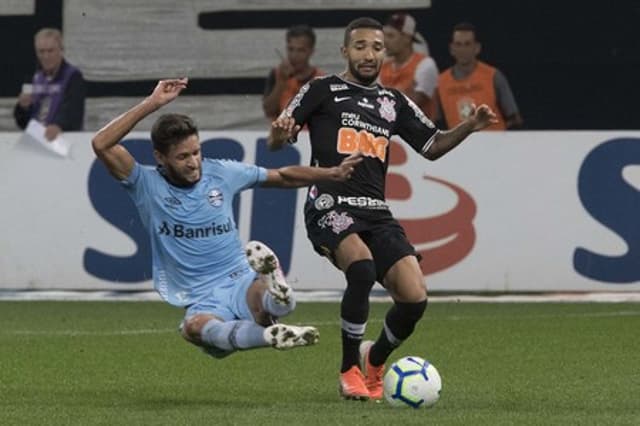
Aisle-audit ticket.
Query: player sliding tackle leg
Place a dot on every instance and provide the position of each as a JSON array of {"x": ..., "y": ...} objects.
[
  {"x": 269, "y": 298},
  {"x": 198, "y": 262}
]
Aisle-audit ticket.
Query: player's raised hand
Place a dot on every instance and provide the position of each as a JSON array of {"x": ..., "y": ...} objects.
[
  {"x": 483, "y": 116},
  {"x": 347, "y": 166},
  {"x": 284, "y": 128},
  {"x": 167, "y": 90}
]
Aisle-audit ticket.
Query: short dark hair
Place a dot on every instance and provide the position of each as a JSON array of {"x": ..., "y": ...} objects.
[
  {"x": 171, "y": 129},
  {"x": 465, "y": 26},
  {"x": 302, "y": 31},
  {"x": 364, "y": 22}
]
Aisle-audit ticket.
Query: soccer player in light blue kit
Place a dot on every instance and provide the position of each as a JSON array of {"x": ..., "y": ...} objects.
[{"x": 231, "y": 296}]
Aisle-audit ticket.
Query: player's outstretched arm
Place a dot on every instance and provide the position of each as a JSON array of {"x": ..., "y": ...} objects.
[
  {"x": 283, "y": 129},
  {"x": 105, "y": 142},
  {"x": 445, "y": 141},
  {"x": 297, "y": 176}
]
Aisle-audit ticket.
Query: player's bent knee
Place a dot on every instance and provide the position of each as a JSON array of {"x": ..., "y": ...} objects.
[
  {"x": 191, "y": 328},
  {"x": 405, "y": 281},
  {"x": 186, "y": 331},
  {"x": 407, "y": 292},
  {"x": 416, "y": 292}
]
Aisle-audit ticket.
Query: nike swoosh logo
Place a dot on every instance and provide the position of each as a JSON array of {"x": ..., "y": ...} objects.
[{"x": 337, "y": 99}]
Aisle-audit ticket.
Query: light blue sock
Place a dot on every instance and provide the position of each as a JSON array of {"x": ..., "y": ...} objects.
[
  {"x": 233, "y": 335},
  {"x": 276, "y": 309}
]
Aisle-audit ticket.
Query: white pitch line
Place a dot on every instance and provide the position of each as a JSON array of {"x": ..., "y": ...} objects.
[
  {"x": 335, "y": 296},
  {"x": 73, "y": 333},
  {"x": 493, "y": 317},
  {"x": 543, "y": 316}
]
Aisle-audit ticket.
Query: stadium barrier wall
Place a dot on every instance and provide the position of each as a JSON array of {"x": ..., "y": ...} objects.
[{"x": 504, "y": 212}]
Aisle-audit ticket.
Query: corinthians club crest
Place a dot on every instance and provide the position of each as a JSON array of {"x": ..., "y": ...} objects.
[{"x": 387, "y": 110}]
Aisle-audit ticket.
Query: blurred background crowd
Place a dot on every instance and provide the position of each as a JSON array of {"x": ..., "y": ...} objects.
[{"x": 570, "y": 65}]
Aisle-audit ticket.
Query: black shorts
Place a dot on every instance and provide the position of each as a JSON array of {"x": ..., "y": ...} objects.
[{"x": 378, "y": 229}]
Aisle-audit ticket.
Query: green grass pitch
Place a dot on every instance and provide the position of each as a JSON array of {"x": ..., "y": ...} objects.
[{"x": 123, "y": 363}]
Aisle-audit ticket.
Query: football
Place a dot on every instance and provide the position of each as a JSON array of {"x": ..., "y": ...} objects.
[{"x": 412, "y": 382}]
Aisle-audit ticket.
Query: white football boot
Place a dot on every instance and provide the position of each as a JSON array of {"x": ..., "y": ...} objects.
[
  {"x": 283, "y": 336},
  {"x": 265, "y": 262}
]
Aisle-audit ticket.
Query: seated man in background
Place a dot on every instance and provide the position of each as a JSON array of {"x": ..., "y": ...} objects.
[
  {"x": 293, "y": 72},
  {"x": 57, "y": 93},
  {"x": 472, "y": 82},
  {"x": 414, "y": 74}
]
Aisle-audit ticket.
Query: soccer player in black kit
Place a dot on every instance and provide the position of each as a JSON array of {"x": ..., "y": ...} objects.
[{"x": 350, "y": 222}]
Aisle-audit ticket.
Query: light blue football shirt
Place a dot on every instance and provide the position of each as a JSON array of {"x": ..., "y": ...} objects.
[{"x": 194, "y": 238}]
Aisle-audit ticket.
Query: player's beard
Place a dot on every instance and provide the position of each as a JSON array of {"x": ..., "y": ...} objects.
[
  {"x": 365, "y": 80},
  {"x": 178, "y": 179}
]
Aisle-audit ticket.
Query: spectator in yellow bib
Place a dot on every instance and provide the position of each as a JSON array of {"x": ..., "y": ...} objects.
[
  {"x": 472, "y": 82},
  {"x": 413, "y": 73},
  {"x": 292, "y": 73}
]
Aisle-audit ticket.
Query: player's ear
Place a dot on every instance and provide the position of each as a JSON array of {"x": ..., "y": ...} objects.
[
  {"x": 160, "y": 157},
  {"x": 343, "y": 52}
]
